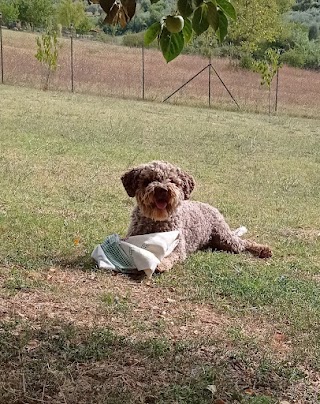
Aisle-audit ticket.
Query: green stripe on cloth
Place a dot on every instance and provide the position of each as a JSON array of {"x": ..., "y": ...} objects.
[{"x": 115, "y": 253}]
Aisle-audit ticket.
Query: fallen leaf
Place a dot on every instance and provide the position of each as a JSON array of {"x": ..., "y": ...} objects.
[
  {"x": 250, "y": 392},
  {"x": 33, "y": 344},
  {"x": 212, "y": 388},
  {"x": 168, "y": 300},
  {"x": 279, "y": 336},
  {"x": 118, "y": 12}
]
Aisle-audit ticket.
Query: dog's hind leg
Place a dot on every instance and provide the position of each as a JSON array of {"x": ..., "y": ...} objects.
[
  {"x": 226, "y": 240},
  {"x": 259, "y": 250}
]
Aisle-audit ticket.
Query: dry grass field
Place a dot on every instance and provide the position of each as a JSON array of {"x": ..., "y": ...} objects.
[{"x": 106, "y": 69}]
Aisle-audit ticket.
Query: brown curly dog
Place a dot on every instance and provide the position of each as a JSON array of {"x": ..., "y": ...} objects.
[{"x": 162, "y": 191}]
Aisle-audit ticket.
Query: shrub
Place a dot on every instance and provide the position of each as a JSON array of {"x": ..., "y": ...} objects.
[
  {"x": 302, "y": 52},
  {"x": 84, "y": 26},
  {"x": 313, "y": 32},
  {"x": 312, "y": 56},
  {"x": 246, "y": 61},
  {"x": 307, "y": 17},
  {"x": 303, "y": 56},
  {"x": 293, "y": 57},
  {"x": 110, "y": 39},
  {"x": 133, "y": 40},
  {"x": 204, "y": 45},
  {"x": 10, "y": 12}
]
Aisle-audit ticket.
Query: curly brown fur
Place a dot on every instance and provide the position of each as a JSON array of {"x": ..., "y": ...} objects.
[{"x": 162, "y": 191}]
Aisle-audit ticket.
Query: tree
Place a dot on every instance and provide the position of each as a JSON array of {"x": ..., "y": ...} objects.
[
  {"x": 285, "y": 5},
  {"x": 73, "y": 12},
  {"x": 313, "y": 32},
  {"x": 257, "y": 22},
  {"x": 47, "y": 54},
  {"x": 9, "y": 10},
  {"x": 268, "y": 68},
  {"x": 197, "y": 15},
  {"x": 303, "y": 5},
  {"x": 37, "y": 13}
]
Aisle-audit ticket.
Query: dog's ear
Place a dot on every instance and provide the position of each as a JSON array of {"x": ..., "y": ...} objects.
[
  {"x": 130, "y": 181},
  {"x": 188, "y": 183}
]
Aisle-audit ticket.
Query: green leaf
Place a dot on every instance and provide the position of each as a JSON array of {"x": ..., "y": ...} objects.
[
  {"x": 171, "y": 44},
  {"x": 185, "y": 7},
  {"x": 223, "y": 26},
  {"x": 187, "y": 30},
  {"x": 200, "y": 19},
  {"x": 213, "y": 17},
  {"x": 227, "y": 8},
  {"x": 151, "y": 33}
]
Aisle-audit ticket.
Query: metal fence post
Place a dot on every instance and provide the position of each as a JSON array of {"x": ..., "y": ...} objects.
[
  {"x": 71, "y": 58},
  {"x": 277, "y": 89},
  {"x": 1, "y": 48},
  {"x": 209, "y": 82},
  {"x": 143, "y": 78}
]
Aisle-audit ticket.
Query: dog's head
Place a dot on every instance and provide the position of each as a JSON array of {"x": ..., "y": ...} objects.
[{"x": 159, "y": 188}]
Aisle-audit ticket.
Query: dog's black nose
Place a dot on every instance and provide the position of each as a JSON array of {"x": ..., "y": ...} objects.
[{"x": 161, "y": 193}]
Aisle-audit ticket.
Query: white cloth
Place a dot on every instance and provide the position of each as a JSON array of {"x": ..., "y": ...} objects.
[
  {"x": 240, "y": 231},
  {"x": 142, "y": 252}
]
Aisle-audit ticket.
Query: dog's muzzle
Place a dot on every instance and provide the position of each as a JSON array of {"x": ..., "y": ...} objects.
[{"x": 161, "y": 198}]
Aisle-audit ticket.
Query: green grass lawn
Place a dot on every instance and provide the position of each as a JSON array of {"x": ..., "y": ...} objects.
[{"x": 249, "y": 328}]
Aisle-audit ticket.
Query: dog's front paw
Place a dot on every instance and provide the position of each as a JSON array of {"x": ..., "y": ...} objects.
[{"x": 162, "y": 268}]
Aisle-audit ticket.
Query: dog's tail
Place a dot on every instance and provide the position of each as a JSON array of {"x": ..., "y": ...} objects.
[{"x": 240, "y": 231}]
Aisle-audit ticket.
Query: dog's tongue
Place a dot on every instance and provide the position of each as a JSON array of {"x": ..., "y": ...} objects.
[{"x": 161, "y": 204}]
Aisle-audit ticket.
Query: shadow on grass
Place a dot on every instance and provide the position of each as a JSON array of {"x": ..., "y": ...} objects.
[
  {"x": 56, "y": 362},
  {"x": 81, "y": 262},
  {"x": 87, "y": 264}
]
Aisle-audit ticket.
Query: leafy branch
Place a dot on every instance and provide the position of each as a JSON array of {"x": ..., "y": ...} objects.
[{"x": 175, "y": 31}]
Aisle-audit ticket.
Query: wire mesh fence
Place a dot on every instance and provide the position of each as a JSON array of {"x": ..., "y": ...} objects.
[{"x": 92, "y": 67}]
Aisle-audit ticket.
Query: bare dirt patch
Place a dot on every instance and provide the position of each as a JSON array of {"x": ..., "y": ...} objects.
[{"x": 78, "y": 297}]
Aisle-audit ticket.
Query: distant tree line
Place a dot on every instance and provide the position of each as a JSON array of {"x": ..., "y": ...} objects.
[
  {"x": 303, "y": 5},
  {"x": 83, "y": 15},
  {"x": 44, "y": 14}
]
